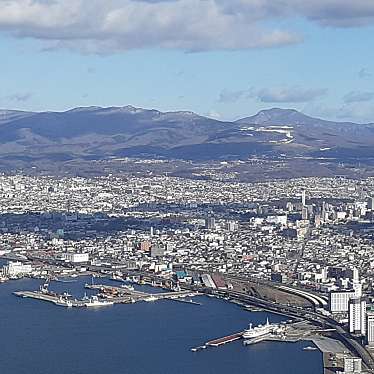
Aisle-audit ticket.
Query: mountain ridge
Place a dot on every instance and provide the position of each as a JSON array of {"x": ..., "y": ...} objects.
[{"x": 103, "y": 132}]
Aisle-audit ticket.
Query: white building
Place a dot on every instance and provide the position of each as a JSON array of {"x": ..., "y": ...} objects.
[
  {"x": 76, "y": 257},
  {"x": 357, "y": 316},
  {"x": 303, "y": 197},
  {"x": 357, "y": 287},
  {"x": 16, "y": 268},
  {"x": 370, "y": 328},
  {"x": 277, "y": 220},
  {"x": 338, "y": 301},
  {"x": 208, "y": 281},
  {"x": 232, "y": 226},
  {"x": 352, "y": 365}
]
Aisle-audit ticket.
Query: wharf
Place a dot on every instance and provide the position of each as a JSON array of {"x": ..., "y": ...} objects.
[
  {"x": 115, "y": 292},
  {"x": 49, "y": 297},
  {"x": 185, "y": 301},
  {"x": 108, "y": 296}
]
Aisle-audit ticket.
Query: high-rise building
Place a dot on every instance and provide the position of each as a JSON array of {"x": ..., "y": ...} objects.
[
  {"x": 371, "y": 203},
  {"x": 303, "y": 197},
  {"x": 317, "y": 220},
  {"x": 232, "y": 226},
  {"x": 339, "y": 301},
  {"x": 304, "y": 213},
  {"x": 357, "y": 316},
  {"x": 210, "y": 223},
  {"x": 370, "y": 328},
  {"x": 357, "y": 287}
]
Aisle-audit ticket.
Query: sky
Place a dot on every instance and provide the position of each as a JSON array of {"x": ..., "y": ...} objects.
[{"x": 226, "y": 59}]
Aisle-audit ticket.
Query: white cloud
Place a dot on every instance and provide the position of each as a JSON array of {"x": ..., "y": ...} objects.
[
  {"x": 18, "y": 97},
  {"x": 192, "y": 25},
  {"x": 214, "y": 114},
  {"x": 362, "y": 112},
  {"x": 356, "y": 112},
  {"x": 364, "y": 73},
  {"x": 357, "y": 96},
  {"x": 111, "y": 25},
  {"x": 289, "y": 94},
  {"x": 228, "y": 96}
]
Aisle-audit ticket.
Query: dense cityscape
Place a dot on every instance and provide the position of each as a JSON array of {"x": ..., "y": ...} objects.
[
  {"x": 187, "y": 186},
  {"x": 309, "y": 240}
]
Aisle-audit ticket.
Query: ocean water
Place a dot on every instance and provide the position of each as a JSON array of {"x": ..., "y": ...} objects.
[{"x": 142, "y": 338}]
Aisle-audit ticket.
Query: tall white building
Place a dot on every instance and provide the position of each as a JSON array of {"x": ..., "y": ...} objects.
[
  {"x": 370, "y": 328},
  {"x": 357, "y": 287},
  {"x": 338, "y": 301},
  {"x": 357, "y": 316},
  {"x": 303, "y": 197}
]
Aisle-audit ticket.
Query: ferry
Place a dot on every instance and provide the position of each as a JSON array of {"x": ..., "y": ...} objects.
[
  {"x": 94, "y": 301},
  {"x": 150, "y": 298},
  {"x": 64, "y": 303},
  {"x": 260, "y": 330},
  {"x": 309, "y": 348}
]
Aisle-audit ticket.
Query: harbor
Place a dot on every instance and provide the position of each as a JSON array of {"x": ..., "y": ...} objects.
[
  {"x": 169, "y": 329},
  {"x": 106, "y": 295},
  {"x": 334, "y": 351}
]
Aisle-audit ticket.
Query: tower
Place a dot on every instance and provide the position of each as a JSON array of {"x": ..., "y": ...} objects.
[
  {"x": 357, "y": 316},
  {"x": 303, "y": 197},
  {"x": 370, "y": 328}
]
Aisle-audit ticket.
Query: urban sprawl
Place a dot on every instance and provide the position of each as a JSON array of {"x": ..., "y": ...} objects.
[{"x": 308, "y": 238}]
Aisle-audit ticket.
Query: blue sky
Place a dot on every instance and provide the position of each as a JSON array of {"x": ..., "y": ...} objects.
[{"x": 322, "y": 63}]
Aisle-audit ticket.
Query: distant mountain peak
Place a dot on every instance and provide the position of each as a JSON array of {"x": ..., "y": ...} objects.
[
  {"x": 279, "y": 116},
  {"x": 83, "y": 109}
]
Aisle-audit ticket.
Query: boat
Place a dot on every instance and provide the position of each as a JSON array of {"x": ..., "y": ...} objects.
[
  {"x": 257, "y": 331},
  {"x": 309, "y": 348},
  {"x": 150, "y": 298},
  {"x": 61, "y": 280},
  {"x": 95, "y": 302},
  {"x": 128, "y": 287},
  {"x": 65, "y": 303},
  {"x": 117, "y": 278}
]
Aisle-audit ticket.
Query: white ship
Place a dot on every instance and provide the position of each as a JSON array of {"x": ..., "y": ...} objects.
[
  {"x": 257, "y": 331},
  {"x": 64, "y": 302},
  {"x": 94, "y": 301},
  {"x": 150, "y": 298},
  {"x": 128, "y": 287}
]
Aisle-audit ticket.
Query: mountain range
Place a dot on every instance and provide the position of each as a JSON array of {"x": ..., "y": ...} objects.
[{"x": 115, "y": 132}]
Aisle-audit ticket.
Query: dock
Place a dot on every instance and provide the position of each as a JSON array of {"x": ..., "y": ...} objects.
[
  {"x": 55, "y": 299},
  {"x": 108, "y": 295},
  {"x": 114, "y": 292}
]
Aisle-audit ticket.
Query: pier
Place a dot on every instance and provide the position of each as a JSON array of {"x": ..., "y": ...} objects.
[
  {"x": 108, "y": 295},
  {"x": 55, "y": 299},
  {"x": 114, "y": 293}
]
